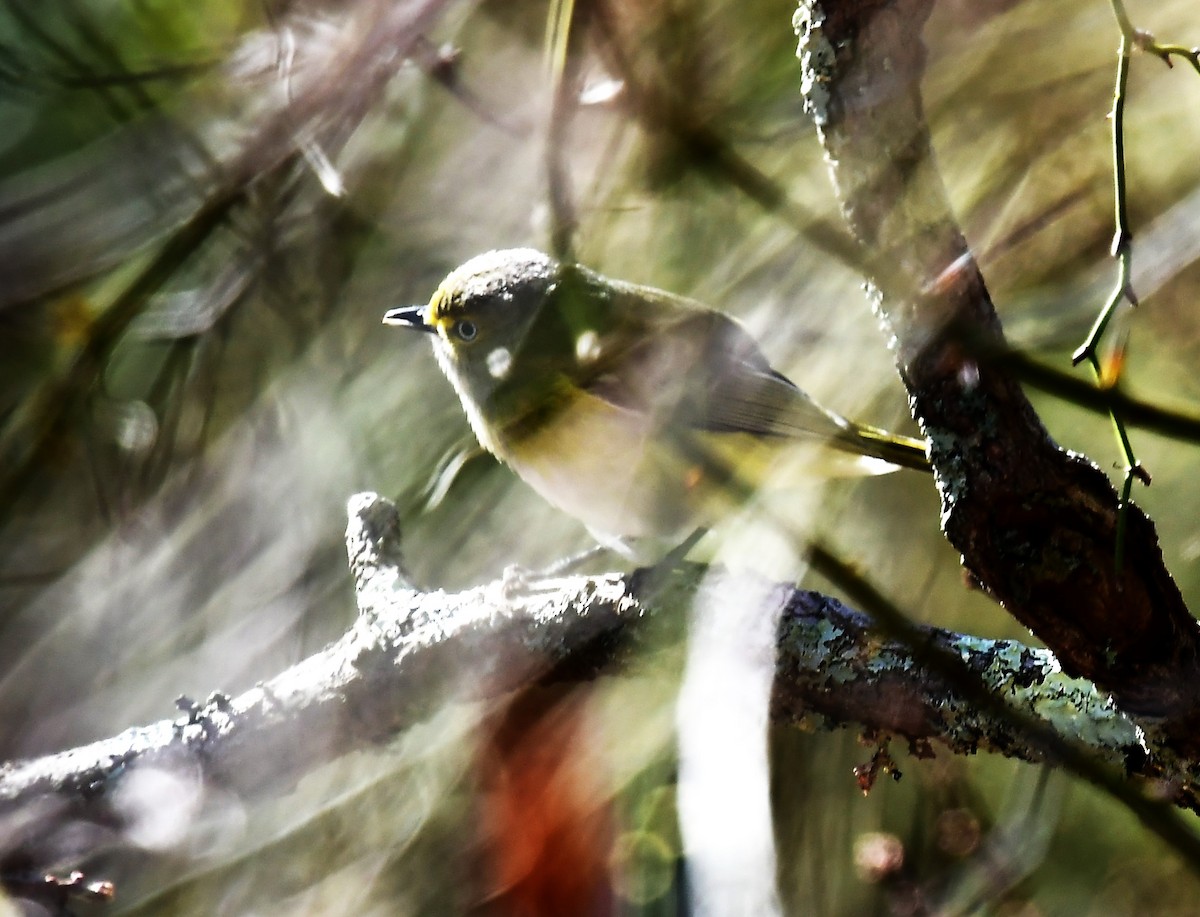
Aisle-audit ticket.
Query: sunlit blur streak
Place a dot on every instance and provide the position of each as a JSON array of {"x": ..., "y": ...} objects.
[
  {"x": 724, "y": 777},
  {"x": 93, "y": 211},
  {"x": 80, "y": 215}
]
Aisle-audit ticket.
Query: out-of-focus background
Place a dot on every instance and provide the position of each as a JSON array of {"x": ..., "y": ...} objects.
[{"x": 205, "y": 209}]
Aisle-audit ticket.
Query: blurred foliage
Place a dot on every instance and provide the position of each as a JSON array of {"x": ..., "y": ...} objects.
[{"x": 193, "y": 380}]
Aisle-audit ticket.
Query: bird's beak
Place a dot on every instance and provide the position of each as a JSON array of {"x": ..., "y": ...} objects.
[{"x": 409, "y": 317}]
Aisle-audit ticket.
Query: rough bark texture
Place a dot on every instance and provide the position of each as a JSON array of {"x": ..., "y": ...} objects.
[
  {"x": 410, "y": 653},
  {"x": 1036, "y": 525}
]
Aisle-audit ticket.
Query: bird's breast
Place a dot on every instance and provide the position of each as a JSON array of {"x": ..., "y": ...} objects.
[
  {"x": 609, "y": 467},
  {"x": 627, "y": 473}
]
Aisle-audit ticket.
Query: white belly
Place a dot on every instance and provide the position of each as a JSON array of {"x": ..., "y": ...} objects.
[{"x": 607, "y": 467}]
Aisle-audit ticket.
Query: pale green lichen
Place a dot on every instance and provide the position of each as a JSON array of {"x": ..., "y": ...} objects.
[
  {"x": 1077, "y": 709},
  {"x": 1033, "y": 680}
]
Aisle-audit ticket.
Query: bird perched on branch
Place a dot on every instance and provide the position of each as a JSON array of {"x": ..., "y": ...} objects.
[{"x": 639, "y": 412}]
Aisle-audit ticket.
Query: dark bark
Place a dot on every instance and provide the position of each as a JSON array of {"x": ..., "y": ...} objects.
[{"x": 1037, "y": 526}]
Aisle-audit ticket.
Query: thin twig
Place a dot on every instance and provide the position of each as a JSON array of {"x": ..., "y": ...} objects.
[{"x": 1122, "y": 250}]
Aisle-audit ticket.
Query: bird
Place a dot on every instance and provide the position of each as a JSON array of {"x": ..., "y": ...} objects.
[{"x": 643, "y": 414}]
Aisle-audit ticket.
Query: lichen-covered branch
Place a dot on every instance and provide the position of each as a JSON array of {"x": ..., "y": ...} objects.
[
  {"x": 411, "y": 652},
  {"x": 1037, "y": 526}
]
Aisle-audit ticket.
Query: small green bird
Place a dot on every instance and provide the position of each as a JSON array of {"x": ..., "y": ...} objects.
[{"x": 640, "y": 413}]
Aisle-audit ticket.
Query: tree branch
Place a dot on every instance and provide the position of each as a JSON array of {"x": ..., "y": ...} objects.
[
  {"x": 410, "y": 652},
  {"x": 1037, "y": 526}
]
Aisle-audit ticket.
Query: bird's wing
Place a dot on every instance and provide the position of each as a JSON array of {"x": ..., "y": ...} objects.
[{"x": 699, "y": 369}]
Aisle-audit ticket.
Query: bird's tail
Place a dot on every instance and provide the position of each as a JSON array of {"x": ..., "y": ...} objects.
[{"x": 905, "y": 451}]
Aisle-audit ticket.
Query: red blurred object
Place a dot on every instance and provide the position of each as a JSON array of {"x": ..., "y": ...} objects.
[{"x": 546, "y": 820}]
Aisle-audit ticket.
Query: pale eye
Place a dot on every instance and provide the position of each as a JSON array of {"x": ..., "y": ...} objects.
[{"x": 465, "y": 330}]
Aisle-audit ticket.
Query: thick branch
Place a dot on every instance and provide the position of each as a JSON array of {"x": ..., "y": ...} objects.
[
  {"x": 411, "y": 652},
  {"x": 1037, "y": 526}
]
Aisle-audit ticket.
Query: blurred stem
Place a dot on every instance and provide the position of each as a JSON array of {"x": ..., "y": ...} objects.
[
  {"x": 1126, "y": 26},
  {"x": 59, "y": 400},
  {"x": 709, "y": 152},
  {"x": 565, "y": 30},
  {"x": 167, "y": 398},
  {"x": 42, "y": 36},
  {"x": 1101, "y": 399}
]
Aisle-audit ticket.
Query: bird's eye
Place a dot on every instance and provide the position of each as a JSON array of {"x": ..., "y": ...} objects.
[{"x": 465, "y": 330}]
